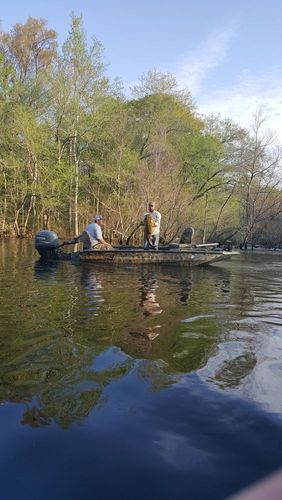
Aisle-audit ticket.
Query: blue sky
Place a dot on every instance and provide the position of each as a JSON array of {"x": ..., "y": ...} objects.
[{"x": 227, "y": 52}]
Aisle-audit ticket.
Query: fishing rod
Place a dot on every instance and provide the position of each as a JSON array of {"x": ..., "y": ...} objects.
[{"x": 133, "y": 232}]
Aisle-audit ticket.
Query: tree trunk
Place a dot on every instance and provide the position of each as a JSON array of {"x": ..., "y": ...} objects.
[
  {"x": 76, "y": 185},
  {"x": 205, "y": 217},
  {"x": 5, "y": 203},
  {"x": 30, "y": 206}
]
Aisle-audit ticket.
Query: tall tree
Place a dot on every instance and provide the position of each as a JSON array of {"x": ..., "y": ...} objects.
[
  {"x": 78, "y": 88},
  {"x": 29, "y": 47}
]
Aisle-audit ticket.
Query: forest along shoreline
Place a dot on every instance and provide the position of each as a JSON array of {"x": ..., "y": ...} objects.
[{"x": 74, "y": 144}]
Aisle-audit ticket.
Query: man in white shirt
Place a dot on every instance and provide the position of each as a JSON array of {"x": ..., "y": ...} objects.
[
  {"x": 153, "y": 241},
  {"x": 94, "y": 231}
]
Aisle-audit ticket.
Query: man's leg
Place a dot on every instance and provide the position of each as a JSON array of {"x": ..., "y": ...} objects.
[
  {"x": 155, "y": 241},
  {"x": 146, "y": 243}
]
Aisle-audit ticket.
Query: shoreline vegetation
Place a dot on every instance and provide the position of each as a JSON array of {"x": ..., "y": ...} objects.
[{"x": 74, "y": 143}]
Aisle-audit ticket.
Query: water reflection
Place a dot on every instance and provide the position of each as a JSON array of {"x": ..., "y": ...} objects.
[
  {"x": 35, "y": 417},
  {"x": 249, "y": 355},
  {"x": 44, "y": 270},
  {"x": 149, "y": 287},
  {"x": 144, "y": 329},
  {"x": 92, "y": 282},
  {"x": 143, "y": 359},
  {"x": 86, "y": 313},
  {"x": 178, "y": 319},
  {"x": 185, "y": 288},
  {"x": 231, "y": 372}
]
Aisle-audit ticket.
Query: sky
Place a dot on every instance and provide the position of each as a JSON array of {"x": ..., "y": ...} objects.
[{"x": 226, "y": 52}]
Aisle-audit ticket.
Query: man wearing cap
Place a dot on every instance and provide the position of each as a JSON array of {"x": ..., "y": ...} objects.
[
  {"x": 152, "y": 240},
  {"x": 92, "y": 237}
]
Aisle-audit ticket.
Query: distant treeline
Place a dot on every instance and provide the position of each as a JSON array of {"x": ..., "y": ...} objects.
[{"x": 72, "y": 144}]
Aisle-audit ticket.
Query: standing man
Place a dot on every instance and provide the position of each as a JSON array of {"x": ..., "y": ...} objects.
[
  {"x": 152, "y": 222},
  {"x": 92, "y": 236}
]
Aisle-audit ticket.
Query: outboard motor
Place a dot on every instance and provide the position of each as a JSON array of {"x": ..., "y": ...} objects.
[{"x": 47, "y": 244}]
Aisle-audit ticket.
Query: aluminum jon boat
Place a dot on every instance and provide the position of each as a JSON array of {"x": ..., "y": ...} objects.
[{"x": 48, "y": 246}]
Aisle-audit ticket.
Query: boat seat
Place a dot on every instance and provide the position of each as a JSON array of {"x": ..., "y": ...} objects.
[{"x": 187, "y": 235}]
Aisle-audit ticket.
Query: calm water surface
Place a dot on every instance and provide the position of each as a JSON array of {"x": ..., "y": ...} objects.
[{"x": 150, "y": 382}]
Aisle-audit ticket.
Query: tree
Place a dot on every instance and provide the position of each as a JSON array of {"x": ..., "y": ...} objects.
[
  {"x": 162, "y": 123},
  {"x": 156, "y": 82},
  {"x": 29, "y": 47},
  {"x": 77, "y": 90},
  {"x": 260, "y": 178}
]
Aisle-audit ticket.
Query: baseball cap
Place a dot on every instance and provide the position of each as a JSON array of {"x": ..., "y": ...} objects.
[{"x": 98, "y": 217}]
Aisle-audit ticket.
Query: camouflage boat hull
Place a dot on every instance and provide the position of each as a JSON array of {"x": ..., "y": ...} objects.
[{"x": 189, "y": 257}]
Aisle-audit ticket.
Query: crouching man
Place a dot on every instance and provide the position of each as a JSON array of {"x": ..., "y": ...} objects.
[{"x": 92, "y": 236}]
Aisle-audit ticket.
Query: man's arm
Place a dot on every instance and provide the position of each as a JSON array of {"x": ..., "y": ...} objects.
[
  {"x": 100, "y": 238},
  {"x": 158, "y": 220},
  {"x": 144, "y": 217},
  {"x": 103, "y": 242}
]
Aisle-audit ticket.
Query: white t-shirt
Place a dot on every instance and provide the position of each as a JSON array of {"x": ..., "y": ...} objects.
[
  {"x": 157, "y": 220},
  {"x": 95, "y": 231}
]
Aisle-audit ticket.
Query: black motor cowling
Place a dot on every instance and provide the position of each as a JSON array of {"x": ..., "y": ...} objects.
[{"x": 47, "y": 244}]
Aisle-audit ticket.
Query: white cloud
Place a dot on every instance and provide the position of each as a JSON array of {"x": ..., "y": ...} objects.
[
  {"x": 248, "y": 94},
  {"x": 239, "y": 101},
  {"x": 193, "y": 69}
]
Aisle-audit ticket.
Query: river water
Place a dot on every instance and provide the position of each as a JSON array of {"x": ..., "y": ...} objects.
[{"x": 138, "y": 382}]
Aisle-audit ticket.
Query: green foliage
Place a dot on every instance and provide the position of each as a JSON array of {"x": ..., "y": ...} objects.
[{"x": 72, "y": 144}]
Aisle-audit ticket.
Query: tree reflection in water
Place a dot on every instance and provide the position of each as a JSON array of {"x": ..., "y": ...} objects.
[{"x": 85, "y": 327}]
